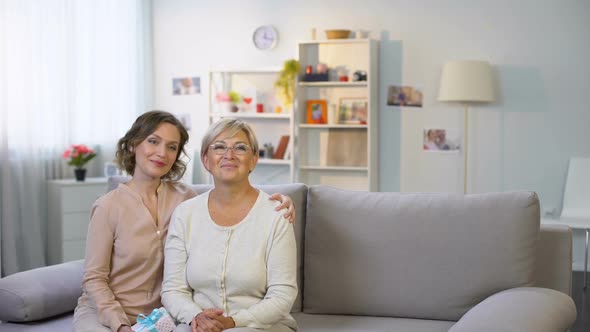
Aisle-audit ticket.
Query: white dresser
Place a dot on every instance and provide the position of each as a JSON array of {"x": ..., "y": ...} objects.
[{"x": 69, "y": 204}]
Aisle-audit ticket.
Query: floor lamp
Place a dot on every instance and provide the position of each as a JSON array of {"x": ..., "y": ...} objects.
[{"x": 466, "y": 82}]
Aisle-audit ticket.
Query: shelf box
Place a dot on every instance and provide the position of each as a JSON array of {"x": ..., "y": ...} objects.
[{"x": 315, "y": 77}]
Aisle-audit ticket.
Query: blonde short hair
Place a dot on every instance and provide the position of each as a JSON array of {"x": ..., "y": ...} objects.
[{"x": 232, "y": 126}]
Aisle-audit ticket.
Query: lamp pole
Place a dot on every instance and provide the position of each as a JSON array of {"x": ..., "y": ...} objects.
[
  {"x": 465, "y": 147},
  {"x": 466, "y": 82}
]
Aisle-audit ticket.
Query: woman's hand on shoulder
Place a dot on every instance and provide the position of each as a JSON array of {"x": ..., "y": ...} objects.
[{"x": 286, "y": 202}]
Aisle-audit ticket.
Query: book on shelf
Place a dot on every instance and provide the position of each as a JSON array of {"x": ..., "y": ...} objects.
[{"x": 281, "y": 147}]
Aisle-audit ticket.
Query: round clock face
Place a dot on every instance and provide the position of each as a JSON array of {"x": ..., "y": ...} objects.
[{"x": 265, "y": 37}]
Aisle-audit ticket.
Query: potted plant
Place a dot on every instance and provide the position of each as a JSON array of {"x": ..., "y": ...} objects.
[
  {"x": 286, "y": 81},
  {"x": 235, "y": 98},
  {"x": 78, "y": 155}
]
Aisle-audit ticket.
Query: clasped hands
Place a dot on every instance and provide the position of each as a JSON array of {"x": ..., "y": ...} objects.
[{"x": 211, "y": 320}]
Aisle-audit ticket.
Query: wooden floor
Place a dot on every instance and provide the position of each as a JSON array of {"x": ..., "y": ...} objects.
[{"x": 582, "y": 300}]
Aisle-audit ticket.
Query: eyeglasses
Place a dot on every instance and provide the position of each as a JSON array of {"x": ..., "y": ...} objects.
[{"x": 220, "y": 148}]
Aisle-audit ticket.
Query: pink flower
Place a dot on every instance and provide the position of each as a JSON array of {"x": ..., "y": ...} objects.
[
  {"x": 222, "y": 97},
  {"x": 82, "y": 148},
  {"x": 78, "y": 155}
]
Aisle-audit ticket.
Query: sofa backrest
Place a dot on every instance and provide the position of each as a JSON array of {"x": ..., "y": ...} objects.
[{"x": 430, "y": 256}]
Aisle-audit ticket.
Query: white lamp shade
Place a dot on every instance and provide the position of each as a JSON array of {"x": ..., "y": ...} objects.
[{"x": 466, "y": 81}]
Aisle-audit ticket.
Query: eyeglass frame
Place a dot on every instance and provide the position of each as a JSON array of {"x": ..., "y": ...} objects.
[{"x": 233, "y": 148}]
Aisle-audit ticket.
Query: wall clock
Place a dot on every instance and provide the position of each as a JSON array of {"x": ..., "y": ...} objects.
[{"x": 265, "y": 37}]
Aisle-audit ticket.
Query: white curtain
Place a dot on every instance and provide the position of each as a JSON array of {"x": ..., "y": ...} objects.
[{"x": 71, "y": 72}]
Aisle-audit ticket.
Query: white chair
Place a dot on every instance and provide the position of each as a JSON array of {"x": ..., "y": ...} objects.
[
  {"x": 576, "y": 200},
  {"x": 576, "y": 196}
]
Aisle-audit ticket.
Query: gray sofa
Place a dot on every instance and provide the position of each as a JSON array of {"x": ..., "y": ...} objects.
[{"x": 384, "y": 262}]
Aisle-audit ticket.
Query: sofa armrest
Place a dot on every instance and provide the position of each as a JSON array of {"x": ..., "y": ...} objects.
[
  {"x": 520, "y": 309},
  {"x": 553, "y": 268},
  {"x": 41, "y": 293}
]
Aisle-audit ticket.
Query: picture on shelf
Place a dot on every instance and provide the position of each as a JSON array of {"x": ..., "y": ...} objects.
[
  {"x": 404, "y": 96},
  {"x": 186, "y": 86},
  {"x": 441, "y": 140},
  {"x": 352, "y": 111},
  {"x": 317, "y": 111},
  {"x": 282, "y": 147}
]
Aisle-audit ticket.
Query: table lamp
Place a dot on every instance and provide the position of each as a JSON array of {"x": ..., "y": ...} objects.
[{"x": 467, "y": 82}]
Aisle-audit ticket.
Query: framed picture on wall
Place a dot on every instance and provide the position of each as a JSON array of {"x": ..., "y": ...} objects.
[
  {"x": 404, "y": 96},
  {"x": 352, "y": 111},
  {"x": 317, "y": 111},
  {"x": 186, "y": 85},
  {"x": 441, "y": 140}
]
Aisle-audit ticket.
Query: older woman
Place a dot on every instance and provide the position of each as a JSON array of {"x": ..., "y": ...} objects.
[
  {"x": 230, "y": 258},
  {"x": 128, "y": 226}
]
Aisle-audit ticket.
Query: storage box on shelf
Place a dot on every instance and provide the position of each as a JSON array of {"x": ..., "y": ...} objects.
[
  {"x": 255, "y": 102},
  {"x": 341, "y": 152}
]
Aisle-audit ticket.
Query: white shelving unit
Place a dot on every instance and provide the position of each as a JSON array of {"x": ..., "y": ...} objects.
[
  {"x": 269, "y": 125},
  {"x": 338, "y": 154}
]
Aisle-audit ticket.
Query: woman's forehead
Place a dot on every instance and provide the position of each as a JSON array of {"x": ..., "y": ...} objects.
[{"x": 229, "y": 135}]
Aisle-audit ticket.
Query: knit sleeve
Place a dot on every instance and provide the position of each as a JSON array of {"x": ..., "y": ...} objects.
[
  {"x": 281, "y": 280},
  {"x": 177, "y": 295},
  {"x": 99, "y": 246}
]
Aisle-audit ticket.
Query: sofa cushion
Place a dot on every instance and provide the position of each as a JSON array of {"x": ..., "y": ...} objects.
[
  {"x": 431, "y": 256},
  {"x": 41, "y": 293},
  {"x": 58, "y": 323},
  {"x": 340, "y": 323},
  {"x": 520, "y": 309}
]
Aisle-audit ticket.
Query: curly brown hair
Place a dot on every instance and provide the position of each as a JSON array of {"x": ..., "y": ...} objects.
[{"x": 145, "y": 125}]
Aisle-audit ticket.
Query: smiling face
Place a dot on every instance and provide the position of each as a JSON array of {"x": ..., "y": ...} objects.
[
  {"x": 156, "y": 154},
  {"x": 432, "y": 135},
  {"x": 230, "y": 167},
  {"x": 187, "y": 82}
]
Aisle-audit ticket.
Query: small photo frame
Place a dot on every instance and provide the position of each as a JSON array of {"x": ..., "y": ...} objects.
[
  {"x": 186, "y": 86},
  {"x": 440, "y": 140},
  {"x": 353, "y": 111},
  {"x": 317, "y": 111},
  {"x": 410, "y": 96}
]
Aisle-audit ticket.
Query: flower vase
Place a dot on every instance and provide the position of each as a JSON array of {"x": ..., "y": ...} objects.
[{"x": 80, "y": 174}]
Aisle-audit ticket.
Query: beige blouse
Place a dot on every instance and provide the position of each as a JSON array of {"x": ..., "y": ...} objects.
[{"x": 125, "y": 253}]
